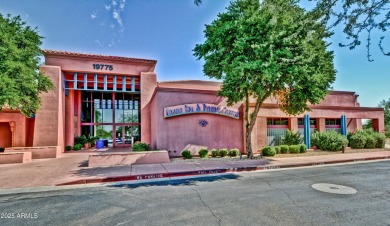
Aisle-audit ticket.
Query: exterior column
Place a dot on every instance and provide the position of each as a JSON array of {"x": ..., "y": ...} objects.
[
  {"x": 69, "y": 118},
  {"x": 148, "y": 86},
  {"x": 12, "y": 127},
  {"x": 321, "y": 125},
  {"x": 293, "y": 124}
]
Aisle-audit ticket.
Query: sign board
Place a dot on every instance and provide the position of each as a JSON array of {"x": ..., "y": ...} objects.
[{"x": 186, "y": 109}]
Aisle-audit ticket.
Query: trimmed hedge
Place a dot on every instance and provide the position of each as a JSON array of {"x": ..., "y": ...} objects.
[
  {"x": 77, "y": 147},
  {"x": 294, "y": 149},
  {"x": 277, "y": 149},
  {"x": 268, "y": 151},
  {"x": 186, "y": 154},
  {"x": 214, "y": 153},
  {"x": 68, "y": 148},
  {"x": 283, "y": 149},
  {"x": 357, "y": 140},
  {"x": 223, "y": 152},
  {"x": 234, "y": 152},
  {"x": 203, "y": 153},
  {"x": 302, "y": 148},
  {"x": 367, "y": 139}
]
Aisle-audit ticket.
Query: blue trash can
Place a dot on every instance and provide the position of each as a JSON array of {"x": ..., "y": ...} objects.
[{"x": 99, "y": 144}]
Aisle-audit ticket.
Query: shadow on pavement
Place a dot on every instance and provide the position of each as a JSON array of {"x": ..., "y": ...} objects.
[{"x": 178, "y": 182}]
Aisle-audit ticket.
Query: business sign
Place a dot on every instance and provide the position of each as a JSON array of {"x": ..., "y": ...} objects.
[{"x": 186, "y": 109}]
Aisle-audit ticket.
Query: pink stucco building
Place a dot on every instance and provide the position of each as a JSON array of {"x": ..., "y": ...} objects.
[{"x": 120, "y": 100}]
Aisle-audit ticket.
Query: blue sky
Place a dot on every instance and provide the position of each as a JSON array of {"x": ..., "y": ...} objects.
[{"x": 167, "y": 31}]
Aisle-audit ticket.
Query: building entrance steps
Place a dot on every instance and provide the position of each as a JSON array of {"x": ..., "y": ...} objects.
[{"x": 72, "y": 168}]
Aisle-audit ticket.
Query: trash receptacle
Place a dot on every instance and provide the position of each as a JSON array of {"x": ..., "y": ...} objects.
[{"x": 99, "y": 144}]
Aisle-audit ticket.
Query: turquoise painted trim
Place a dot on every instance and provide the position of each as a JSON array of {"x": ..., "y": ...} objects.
[
  {"x": 75, "y": 80},
  {"x": 95, "y": 81},
  {"x": 105, "y": 82},
  {"x": 85, "y": 81},
  {"x": 114, "y": 85},
  {"x": 133, "y": 84},
  {"x": 124, "y": 83}
]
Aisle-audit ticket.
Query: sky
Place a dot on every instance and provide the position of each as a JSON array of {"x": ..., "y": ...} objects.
[{"x": 167, "y": 31}]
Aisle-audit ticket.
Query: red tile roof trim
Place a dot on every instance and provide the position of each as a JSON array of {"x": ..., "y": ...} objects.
[{"x": 99, "y": 56}]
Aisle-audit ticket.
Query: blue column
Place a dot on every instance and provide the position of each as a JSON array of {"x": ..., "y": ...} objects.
[
  {"x": 344, "y": 125},
  {"x": 75, "y": 80},
  {"x": 133, "y": 84},
  {"x": 306, "y": 130}
]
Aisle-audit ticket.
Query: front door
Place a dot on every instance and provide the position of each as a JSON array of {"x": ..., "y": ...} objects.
[{"x": 123, "y": 136}]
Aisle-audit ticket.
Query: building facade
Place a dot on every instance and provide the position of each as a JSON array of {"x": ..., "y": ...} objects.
[{"x": 120, "y": 100}]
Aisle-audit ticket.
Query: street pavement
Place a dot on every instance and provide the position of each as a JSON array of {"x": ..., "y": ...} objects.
[
  {"x": 72, "y": 168},
  {"x": 274, "y": 197}
]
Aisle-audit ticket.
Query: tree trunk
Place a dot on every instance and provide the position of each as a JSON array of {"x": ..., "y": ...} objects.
[{"x": 248, "y": 143}]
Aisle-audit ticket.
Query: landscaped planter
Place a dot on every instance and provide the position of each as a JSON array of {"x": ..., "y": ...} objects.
[{"x": 128, "y": 158}]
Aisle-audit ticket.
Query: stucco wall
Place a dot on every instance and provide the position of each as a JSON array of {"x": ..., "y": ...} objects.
[{"x": 174, "y": 134}]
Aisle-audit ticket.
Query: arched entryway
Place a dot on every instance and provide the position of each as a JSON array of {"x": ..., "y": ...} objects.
[{"x": 5, "y": 135}]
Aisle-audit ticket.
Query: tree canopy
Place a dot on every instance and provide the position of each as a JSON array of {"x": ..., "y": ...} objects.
[
  {"x": 357, "y": 17},
  {"x": 273, "y": 48},
  {"x": 20, "y": 79}
]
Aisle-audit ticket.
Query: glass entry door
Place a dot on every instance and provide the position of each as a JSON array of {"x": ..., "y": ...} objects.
[{"x": 124, "y": 136}]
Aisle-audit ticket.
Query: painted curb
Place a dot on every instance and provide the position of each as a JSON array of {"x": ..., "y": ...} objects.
[{"x": 211, "y": 171}]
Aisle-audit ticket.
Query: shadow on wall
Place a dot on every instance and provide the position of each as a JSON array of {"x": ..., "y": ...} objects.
[
  {"x": 180, "y": 182},
  {"x": 5, "y": 135}
]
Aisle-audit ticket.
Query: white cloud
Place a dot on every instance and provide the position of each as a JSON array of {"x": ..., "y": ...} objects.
[
  {"x": 93, "y": 16},
  {"x": 107, "y": 7},
  {"x": 116, "y": 15},
  {"x": 122, "y": 5}
]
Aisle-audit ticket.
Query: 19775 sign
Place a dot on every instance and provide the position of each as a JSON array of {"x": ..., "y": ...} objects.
[{"x": 103, "y": 67}]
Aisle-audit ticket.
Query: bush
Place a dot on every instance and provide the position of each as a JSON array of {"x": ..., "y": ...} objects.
[
  {"x": 302, "y": 148},
  {"x": 283, "y": 149},
  {"x": 223, "y": 152},
  {"x": 358, "y": 140},
  {"x": 234, "y": 152},
  {"x": 370, "y": 141},
  {"x": 203, "y": 153},
  {"x": 380, "y": 140},
  {"x": 80, "y": 140},
  {"x": 329, "y": 141},
  {"x": 214, "y": 153},
  {"x": 268, "y": 151},
  {"x": 186, "y": 154},
  {"x": 277, "y": 149},
  {"x": 139, "y": 146},
  {"x": 294, "y": 149},
  {"x": 291, "y": 138},
  {"x": 77, "y": 147},
  {"x": 68, "y": 148},
  {"x": 314, "y": 139}
]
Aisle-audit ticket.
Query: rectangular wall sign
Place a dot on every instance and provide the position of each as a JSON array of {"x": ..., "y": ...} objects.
[{"x": 186, "y": 109}]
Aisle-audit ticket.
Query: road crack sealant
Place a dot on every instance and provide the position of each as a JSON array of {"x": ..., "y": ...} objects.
[{"x": 205, "y": 204}]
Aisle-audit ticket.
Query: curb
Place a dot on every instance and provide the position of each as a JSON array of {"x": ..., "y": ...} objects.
[{"x": 211, "y": 171}]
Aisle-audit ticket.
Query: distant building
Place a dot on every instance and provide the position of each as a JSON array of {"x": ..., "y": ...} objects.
[{"x": 120, "y": 100}]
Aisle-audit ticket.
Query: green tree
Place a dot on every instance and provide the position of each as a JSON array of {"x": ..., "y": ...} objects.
[
  {"x": 20, "y": 79},
  {"x": 357, "y": 17},
  {"x": 273, "y": 48}
]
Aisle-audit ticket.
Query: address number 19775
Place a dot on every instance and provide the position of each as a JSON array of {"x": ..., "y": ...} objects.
[{"x": 103, "y": 67}]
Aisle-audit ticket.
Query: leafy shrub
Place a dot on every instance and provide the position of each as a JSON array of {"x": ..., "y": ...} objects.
[
  {"x": 277, "y": 149},
  {"x": 294, "y": 149},
  {"x": 387, "y": 131},
  {"x": 214, "y": 153},
  {"x": 370, "y": 141},
  {"x": 380, "y": 140},
  {"x": 80, "y": 140},
  {"x": 329, "y": 141},
  {"x": 292, "y": 138},
  {"x": 203, "y": 153},
  {"x": 302, "y": 148},
  {"x": 68, "y": 148},
  {"x": 268, "y": 151},
  {"x": 77, "y": 147},
  {"x": 186, "y": 154},
  {"x": 283, "y": 149},
  {"x": 358, "y": 140},
  {"x": 314, "y": 139},
  {"x": 139, "y": 146},
  {"x": 234, "y": 152},
  {"x": 223, "y": 152}
]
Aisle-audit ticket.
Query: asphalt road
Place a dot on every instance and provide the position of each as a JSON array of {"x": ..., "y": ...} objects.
[{"x": 282, "y": 197}]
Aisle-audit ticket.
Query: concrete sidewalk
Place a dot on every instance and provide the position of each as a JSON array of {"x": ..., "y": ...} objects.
[{"x": 72, "y": 168}]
